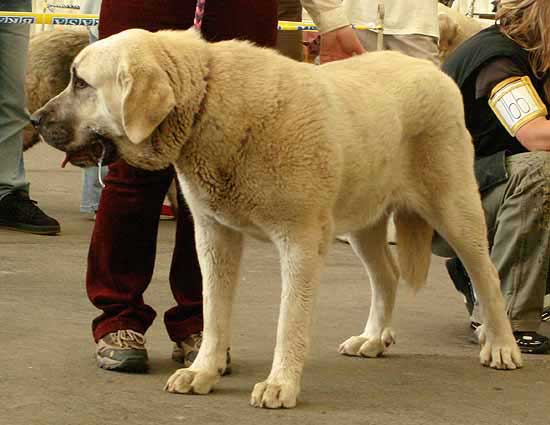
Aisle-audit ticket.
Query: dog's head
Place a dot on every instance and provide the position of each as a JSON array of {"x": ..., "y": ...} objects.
[
  {"x": 448, "y": 33},
  {"x": 119, "y": 93},
  {"x": 454, "y": 29}
]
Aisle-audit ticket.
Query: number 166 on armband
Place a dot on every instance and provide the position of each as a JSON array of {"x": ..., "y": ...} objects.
[{"x": 516, "y": 102}]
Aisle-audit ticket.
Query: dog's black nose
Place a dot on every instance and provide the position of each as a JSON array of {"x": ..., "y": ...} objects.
[{"x": 36, "y": 119}]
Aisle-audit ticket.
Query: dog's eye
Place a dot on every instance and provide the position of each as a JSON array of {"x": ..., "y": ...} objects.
[{"x": 80, "y": 84}]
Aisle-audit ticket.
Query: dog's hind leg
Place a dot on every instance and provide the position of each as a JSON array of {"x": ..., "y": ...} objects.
[
  {"x": 302, "y": 250},
  {"x": 457, "y": 216},
  {"x": 371, "y": 246}
]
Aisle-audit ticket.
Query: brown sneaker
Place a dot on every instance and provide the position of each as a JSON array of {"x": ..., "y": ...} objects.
[
  {"x": 186, "y": 351},
  {"x": 123, "y": 350}
]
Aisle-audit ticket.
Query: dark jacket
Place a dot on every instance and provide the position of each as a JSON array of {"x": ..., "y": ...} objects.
[{"x": 491, "y": 140}]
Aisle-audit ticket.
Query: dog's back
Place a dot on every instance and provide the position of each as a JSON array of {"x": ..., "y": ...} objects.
[
  {"x": 406, "y": 103},
  {"x": 400, "y": 148},
  {"x": 372, "y": 134},
  {"x": 371, "y": 120}
]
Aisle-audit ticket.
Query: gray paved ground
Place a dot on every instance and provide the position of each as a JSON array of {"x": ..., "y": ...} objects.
[{"x": 48, "y": 374}]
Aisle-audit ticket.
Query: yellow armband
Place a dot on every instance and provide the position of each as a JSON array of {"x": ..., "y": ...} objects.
[{"x": 515, "y": 102}]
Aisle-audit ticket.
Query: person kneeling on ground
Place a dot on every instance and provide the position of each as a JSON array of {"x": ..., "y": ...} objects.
[{"x": 502, "y": 73}]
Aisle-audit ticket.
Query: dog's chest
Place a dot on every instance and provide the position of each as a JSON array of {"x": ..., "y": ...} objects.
[
  {"x": 229, "y": 213},
  {"x": 219, "y": 195}
]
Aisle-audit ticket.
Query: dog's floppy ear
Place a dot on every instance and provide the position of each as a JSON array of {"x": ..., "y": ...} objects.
[
  {"x": 448, "y": 29},
  {"x": 147, "y": 98}
]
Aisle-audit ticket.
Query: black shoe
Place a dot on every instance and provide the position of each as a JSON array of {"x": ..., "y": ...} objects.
[
  {"x": 532, "y": 343},
  {"x": 18, "y": 212},
  {"x": 462, "y": 282},
  {"x": 473, "y": 336},
  {"x": 528, "y": 342}
]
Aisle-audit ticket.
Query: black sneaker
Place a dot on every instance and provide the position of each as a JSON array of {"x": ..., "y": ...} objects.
[
  {"x": 462, "y": 282},
  {"x": 532, "y": 343},
  {"x": 528, "y": 342},
  {"x": 18, "y": 212}
]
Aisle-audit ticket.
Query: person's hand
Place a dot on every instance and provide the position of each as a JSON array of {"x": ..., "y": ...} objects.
[{"x": 340, "y": 44}]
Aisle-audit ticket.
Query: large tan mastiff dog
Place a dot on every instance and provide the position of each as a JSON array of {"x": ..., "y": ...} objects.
[{"x": 294, "y": 154}]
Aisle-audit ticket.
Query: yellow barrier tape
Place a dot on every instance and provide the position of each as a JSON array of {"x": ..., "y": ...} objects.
[
  {"x": 310, "y": 26},
  {"x": 30, "y": 18}
]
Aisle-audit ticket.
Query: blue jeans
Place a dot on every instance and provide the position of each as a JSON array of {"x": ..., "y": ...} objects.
[
  {"x": 14, "y": 42},
  {"x": 91, "y": 189}
]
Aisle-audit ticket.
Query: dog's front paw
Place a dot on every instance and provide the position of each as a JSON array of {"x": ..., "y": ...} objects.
[
  {"x": 188, "y": 381},
  {"x": 275, "y": 395},
  {"x": 366, "y": 346},
  {"x": 498, "y": 352}
]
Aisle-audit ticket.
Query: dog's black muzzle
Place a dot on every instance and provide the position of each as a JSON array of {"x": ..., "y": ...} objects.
[{"x": 60, "y": 135}]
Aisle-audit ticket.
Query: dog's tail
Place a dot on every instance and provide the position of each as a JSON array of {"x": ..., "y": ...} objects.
[{"x": 414, "y": 242}]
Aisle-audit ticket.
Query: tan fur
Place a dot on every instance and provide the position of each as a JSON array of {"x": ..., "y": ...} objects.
[
  {"x": 52, "y": 52},
  {"x": 454, "y": 29},
  {"x": 294, "y": 154},
  {"x": 50, "y": 56},
  {"x": 414, "y": 248}
]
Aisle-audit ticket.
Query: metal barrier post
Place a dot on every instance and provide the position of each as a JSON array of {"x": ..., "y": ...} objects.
[{"x": 380, "y": 24}]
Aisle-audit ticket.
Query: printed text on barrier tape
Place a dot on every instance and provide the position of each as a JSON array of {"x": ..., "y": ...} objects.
[
  {"x": 48, "y": 18},
  {"x": 29, "y": 18}
]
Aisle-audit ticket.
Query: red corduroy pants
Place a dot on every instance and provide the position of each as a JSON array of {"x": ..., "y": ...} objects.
[{"x": 123, "y": 246}]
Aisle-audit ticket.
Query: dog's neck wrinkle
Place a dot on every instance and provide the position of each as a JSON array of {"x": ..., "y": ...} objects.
[
  {"x": 179, "y": 71},
  {"x": 173, "y": 133},
  {"x": 192, "y": 131},
  {"x": 211, "y": 141},
  {"x": 203, "y": 98},
  {"x": 179, "y": 76}
]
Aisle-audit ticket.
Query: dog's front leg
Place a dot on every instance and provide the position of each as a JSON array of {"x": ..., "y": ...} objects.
[
  {"x": 302, "y": 256},
  {"x": 219, "y": 250}
]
